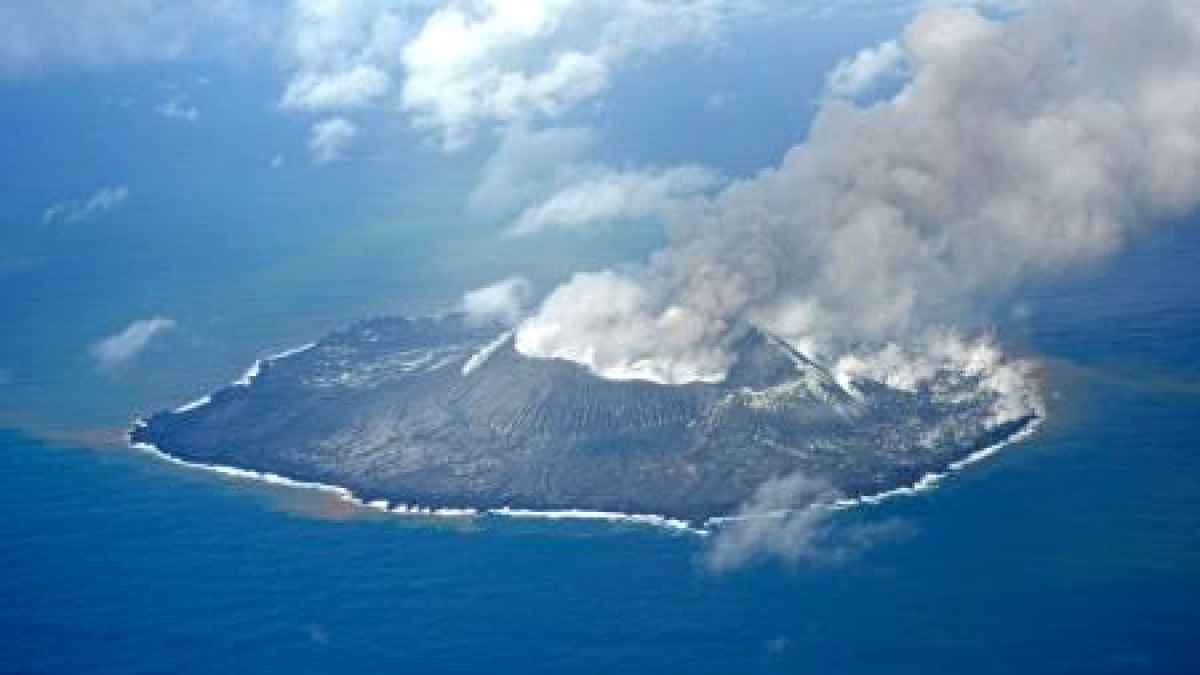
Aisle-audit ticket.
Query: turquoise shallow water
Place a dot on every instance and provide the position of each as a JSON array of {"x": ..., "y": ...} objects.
[{"x": 1077, "y": 552}]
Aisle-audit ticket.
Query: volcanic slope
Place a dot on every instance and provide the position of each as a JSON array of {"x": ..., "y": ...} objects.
[{"x": 443, "y": 412}]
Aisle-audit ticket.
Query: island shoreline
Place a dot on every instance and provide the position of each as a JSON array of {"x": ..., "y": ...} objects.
[{"x": 928, "y": 481}]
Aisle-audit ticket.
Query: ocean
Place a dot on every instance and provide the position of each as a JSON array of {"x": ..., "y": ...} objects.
[{"x": 1077, "y": 551}]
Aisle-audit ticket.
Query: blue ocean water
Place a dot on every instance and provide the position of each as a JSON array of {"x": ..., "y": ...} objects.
[{"x": 1076, "y": 552}]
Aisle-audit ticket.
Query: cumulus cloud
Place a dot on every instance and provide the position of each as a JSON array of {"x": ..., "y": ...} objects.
[
  {"x": 542, "y": 180},
  {"x": 119, "y": 349},
  {"x": 505, "y": 301},
  {"x": 791, "y": 519},
  {"x": 858, "y": 74},
  {"x": 277, "y": 162},
  {"x": 1018, "y": 147},
  {"x": 329, "y": 139},
  {"x": 346, "y": 89},
  {"x": 612, "y": 195},
  {"x": 73, "y": 211},
  {"x": 458, "y": 66},
  {"x": 177, "y": 108},
  {"x": 478, "y": 63},
  {"x": 345, "y": 55}
]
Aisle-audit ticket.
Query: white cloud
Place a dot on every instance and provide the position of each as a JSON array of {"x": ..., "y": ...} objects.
[
  {"x": 351, "y": 88},
  {"x": 123, "y": 347},
  {"x": 73, "y": 211},
  {"x": 541, "y": 180},
  {"x": 454, "y": 66},
  {"x": 277, "y": 162},
  {"x": 329, "y": 139},
  {"x": 474, "y": 64},
  {"x": 322, "y": 42},
  {"x": 504, "y": 301},
  {"x": 610, "y": 196},
  {"x": 177, "y": 108},
  {"x": 858, "y": 74},
  {"x": 344, "y": 55}
]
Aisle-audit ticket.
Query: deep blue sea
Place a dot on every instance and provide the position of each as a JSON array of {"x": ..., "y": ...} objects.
[{"x": 1075, "y": 552}]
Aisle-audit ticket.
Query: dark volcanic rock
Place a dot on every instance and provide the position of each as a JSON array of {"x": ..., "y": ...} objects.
[{"x": 442, "y": 413}]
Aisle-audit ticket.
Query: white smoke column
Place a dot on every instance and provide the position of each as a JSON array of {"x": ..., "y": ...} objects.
[{"x": 1019, "y": 147}]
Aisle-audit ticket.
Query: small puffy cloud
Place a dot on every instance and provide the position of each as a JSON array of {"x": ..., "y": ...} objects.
[
  {"x": 611, "y": 196},
  {"x": 344, "y": 55},
  {"x": 866, "y": 69},
  {"x": 503, "y": 301},
  {"x": 73, "y": 211},
  {"x": 177, "y": 108},
  {"x": 277, "y": 162},
  {"x": 347, "y": 89},
  {"x": 329, "y": 139},
  {"x": 119, "y": 349}
]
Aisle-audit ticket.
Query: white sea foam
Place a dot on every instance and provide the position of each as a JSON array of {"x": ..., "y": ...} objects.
[
  {"x": 194, "y": 405},
  {"x": 607, "y": 516},
  {"x": 932, "y": 479},
  {"x": 255, "y": 368},
  {"x": 410, "y": 510},
  {"x": 926, "y": 483},
  {"x": 291, "y": 352},
  {"x": 247, "y": 377},
  {"x": 480, "y": 357},
  {"x": 276, "y": 479},
  {"x": 414, "y": 510},
  {"x": 248, "y": 474}
]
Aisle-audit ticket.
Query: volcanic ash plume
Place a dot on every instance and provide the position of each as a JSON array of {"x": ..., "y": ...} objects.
[{"x": 1018, "y": 147}]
